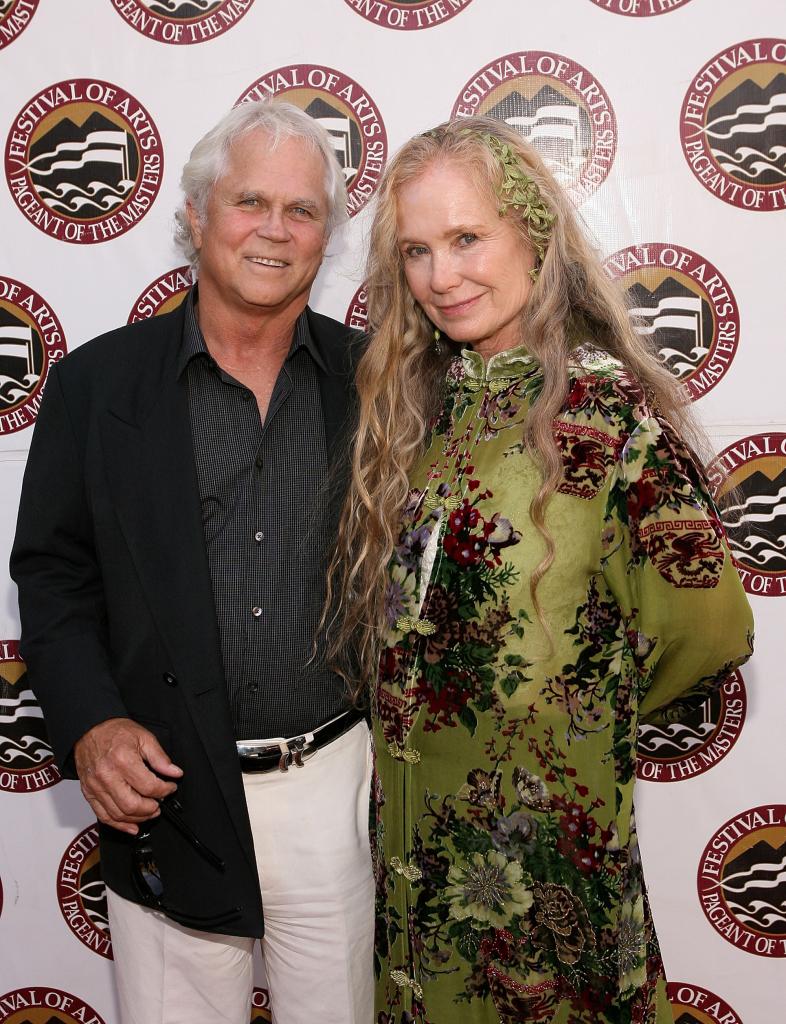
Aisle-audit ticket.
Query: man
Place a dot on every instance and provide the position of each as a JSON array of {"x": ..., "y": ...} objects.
[{"x": 181, "y": 497}]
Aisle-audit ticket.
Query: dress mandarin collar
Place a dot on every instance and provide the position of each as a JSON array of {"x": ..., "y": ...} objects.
[{"x": 513, "y": 362}]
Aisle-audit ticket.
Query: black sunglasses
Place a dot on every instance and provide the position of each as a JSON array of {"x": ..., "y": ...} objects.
[{"x": 147, "y": 878}]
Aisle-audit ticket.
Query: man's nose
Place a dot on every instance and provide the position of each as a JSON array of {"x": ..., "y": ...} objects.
[
  {"x": 444, "y": 275},
  {"x": 273, "y": 225}
]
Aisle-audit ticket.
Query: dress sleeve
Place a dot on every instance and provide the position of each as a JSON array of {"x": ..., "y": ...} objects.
[{"x": 667, "y": 562}]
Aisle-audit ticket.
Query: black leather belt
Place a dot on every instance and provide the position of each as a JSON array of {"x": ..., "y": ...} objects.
[{"x": 269, "y": 755}]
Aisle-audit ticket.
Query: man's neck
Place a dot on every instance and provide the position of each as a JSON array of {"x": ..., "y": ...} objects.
[{"x": 247, "y": 340}]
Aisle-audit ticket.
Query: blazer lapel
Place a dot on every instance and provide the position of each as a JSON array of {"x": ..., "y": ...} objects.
[{"x": 152, "y": 478}]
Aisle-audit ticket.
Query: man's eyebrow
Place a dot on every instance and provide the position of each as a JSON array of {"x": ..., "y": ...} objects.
[{"x": 254, "y": 193}]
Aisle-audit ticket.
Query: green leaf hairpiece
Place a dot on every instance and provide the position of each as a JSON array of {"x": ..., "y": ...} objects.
[{"x": 519, "y": 192}]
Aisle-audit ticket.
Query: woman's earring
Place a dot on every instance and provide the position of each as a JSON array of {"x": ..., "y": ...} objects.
[{"x": 437, "y": 341}]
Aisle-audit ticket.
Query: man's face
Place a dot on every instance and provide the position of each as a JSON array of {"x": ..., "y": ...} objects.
[{"x": 263, "y": 239}]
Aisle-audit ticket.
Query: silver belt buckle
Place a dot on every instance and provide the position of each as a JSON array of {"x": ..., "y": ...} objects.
[{"x": 295, "y": 751}]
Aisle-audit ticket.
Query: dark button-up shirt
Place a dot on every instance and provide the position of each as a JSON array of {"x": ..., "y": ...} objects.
[{"x": 268, "y": 533}]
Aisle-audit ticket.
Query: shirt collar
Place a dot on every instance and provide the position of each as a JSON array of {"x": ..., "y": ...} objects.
[{"x": 193, "y": 342}]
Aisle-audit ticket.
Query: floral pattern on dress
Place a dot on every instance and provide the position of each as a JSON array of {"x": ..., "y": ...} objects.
[{"x": 509, "y": 882}]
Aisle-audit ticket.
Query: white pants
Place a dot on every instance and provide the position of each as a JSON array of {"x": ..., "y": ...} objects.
[{"x": 310, "y": 828}]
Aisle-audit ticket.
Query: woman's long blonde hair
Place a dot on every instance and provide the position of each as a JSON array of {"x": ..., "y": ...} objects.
[{"x": 400, "y": 377}]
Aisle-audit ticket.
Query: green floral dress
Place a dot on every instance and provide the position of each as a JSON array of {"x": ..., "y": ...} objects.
[{"x": 509, "y": 884}]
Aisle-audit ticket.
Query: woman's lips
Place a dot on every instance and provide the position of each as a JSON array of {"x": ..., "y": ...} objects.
[{"x": 458, "y": 308}]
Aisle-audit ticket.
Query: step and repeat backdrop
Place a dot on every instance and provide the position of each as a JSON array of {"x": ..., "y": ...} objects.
[{"x": 665, "y": 119}]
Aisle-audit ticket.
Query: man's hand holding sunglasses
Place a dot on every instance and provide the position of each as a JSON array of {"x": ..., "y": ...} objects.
[{"x": 120, "y": 766}]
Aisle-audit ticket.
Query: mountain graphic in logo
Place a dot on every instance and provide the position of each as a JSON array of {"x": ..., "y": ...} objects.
[
  {"x": 84, "y": 171},
  {"x": 746, "y": 132},
  {"x": 756, "y": 522},
  {"x": 559, "y": 129},
  {"x": 754, "y": 887},
  {"x": 687, "y": 1018},
  {"x": 54, "y": 1019},
  {"x": 678, "y": 320},
  {"x": 344, "y": 135}
]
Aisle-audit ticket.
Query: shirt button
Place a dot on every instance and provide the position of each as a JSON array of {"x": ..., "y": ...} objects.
[
  {"x": 246, "y": 396},
  {"x": 256, "y": 611},
  {"x": 259, "y": 462},
  {"x": 258, "y": 536}
]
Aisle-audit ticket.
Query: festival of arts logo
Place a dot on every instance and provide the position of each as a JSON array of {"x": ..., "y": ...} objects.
[
  {"x": 698, "y": 741},
  {"x": 182, "y": 22},
  {"x": 753, "y": 469},
  {"x": 15, "y": 16},
  {"x": 408, "y": 14},
  {"x": 345, "y": 110},
  {"x": 31, "y": 339},
  {"x": 162, "y": 295},
  {"x": 742, "y": 881},
  {"x": 733, "y": 125},
  {"x": 640, "y": 8},
  {"x": 691, "y": 1004},
  {"x": 81, "y": 893},
  {"x": 260, "y": 1007},
  {"x": 84, "y": 161},
  {"x": 682, "y": 303},
  {"x": 26, "y": 759},
  {"x": 38, "y": 1004},
  {"x": 357, "y": 311},
  {"x": 557, "y": 105}
]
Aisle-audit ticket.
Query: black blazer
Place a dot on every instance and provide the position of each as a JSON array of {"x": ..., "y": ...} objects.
[{"x": 115, "y": 596}]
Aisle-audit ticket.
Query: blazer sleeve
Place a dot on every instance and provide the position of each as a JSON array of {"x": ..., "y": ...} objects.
[
  {"x": 54, "y": 564},
  {"x": 668, "y": 564}
]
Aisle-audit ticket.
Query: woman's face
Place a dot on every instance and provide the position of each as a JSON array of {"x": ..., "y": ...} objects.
[{"x": 465, "y": 265}]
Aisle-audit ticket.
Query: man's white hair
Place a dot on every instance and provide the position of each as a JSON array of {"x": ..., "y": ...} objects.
[{"x": 209, "y": 158}]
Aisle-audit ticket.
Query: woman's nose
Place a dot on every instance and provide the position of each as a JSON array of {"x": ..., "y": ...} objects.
[{"x": 444, "y": 275}]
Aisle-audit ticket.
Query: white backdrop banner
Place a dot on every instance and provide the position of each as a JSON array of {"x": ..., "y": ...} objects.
[{"x": 665, "y": 120}]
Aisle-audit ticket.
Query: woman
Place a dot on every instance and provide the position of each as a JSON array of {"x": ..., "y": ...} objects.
[{"x": 539, "y": 547}]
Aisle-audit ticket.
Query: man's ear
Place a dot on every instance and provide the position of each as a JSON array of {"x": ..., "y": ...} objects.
[{"x": 195, "y": 223}]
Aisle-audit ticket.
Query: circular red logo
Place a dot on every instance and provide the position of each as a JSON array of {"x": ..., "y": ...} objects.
[
  {"x": 357, "y": 311},
  {"x": 26, "y": 759},
  {"x": 408, "y": 14},
  {"x": 260, "y": 1006},
  {"x": 742, "y": 882},
  {"x": 84, "y": 161},
  {"x": 345, "y": 110},
  {"x": 754, "y": 469},
  {"x": 684, "y": 304},
  {"x": 733, "y": 125},
  {"x": 182, "y": 21},
  {"x": 640, "y": 8},
  {"x": 15, "y": 16},
  {"x": 81, "y": 893},
  {"x": 691, "y": 1004},
  {"x": 162, "y": 295},
  {"x": 691, "y": 746},
  {"x": 39, "y": 1004},
  {"x": 31, "y": 339},
  {"x": 557, "y": 105}
]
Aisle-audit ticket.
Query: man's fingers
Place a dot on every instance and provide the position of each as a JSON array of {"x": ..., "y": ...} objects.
[
  {"x": 120, "y": 764},
  {"x": 155, "y": 755},
  {"x": 107, "y": 812}
]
